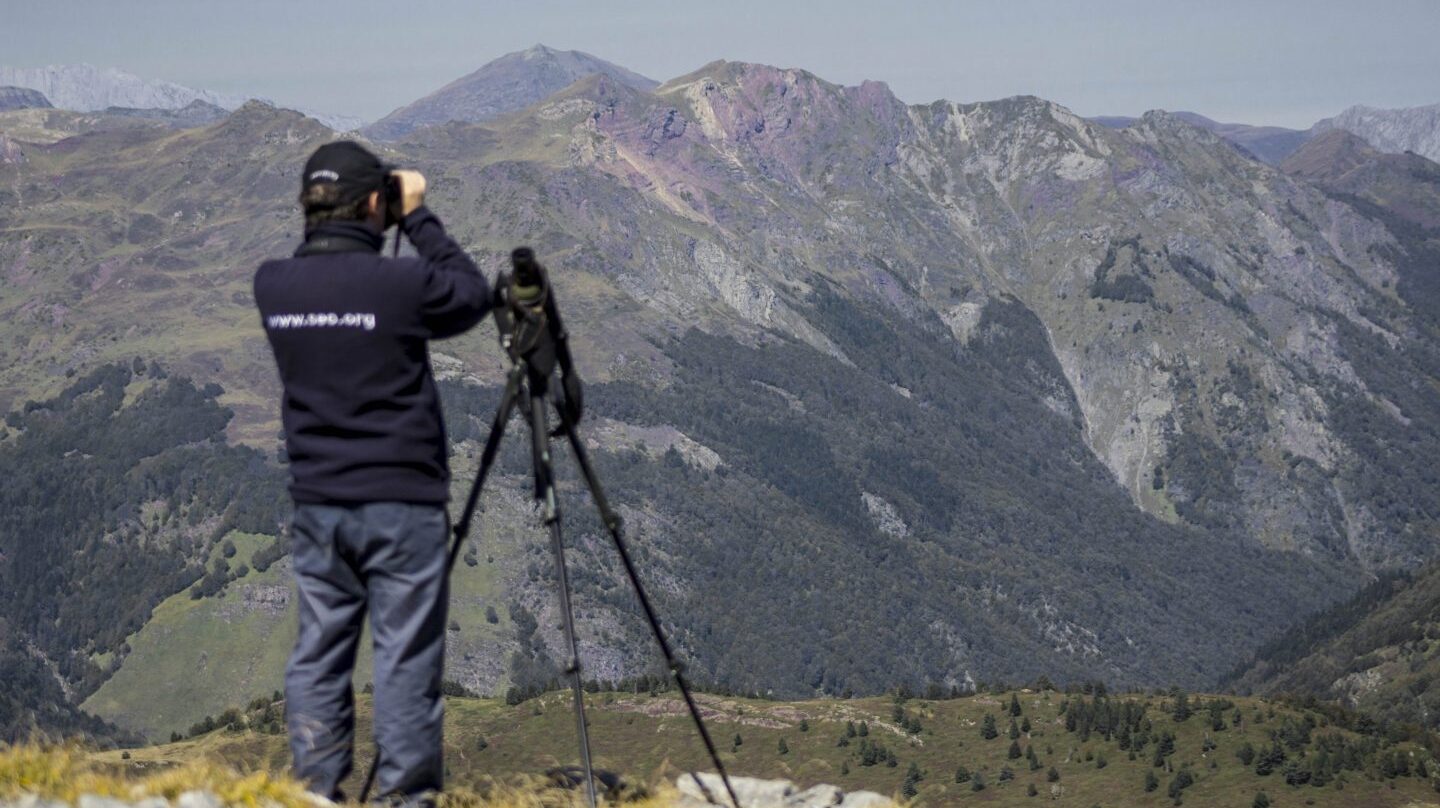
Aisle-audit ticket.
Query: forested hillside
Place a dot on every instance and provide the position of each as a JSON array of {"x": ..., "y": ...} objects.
[
  {"x": 113, "y": 489},
  {"x": 1378, "y": 652}
]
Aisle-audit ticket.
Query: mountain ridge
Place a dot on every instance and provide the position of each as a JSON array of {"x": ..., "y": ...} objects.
[{"x": 87, "y": 88}]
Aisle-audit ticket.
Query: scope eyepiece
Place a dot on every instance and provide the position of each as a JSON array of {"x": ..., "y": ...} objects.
[{"x": 529, "y": 279}]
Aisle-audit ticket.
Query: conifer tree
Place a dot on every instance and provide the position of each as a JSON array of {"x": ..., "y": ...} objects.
[
  {"x": 1182, "y": 711},
  {"x": 988, "y": 731}
]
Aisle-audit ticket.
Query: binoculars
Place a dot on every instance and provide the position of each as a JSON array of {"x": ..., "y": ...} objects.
[{"x": 391, "y": 189}]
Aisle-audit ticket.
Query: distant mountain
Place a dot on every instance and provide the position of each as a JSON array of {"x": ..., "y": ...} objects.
[
  {"x": 86, "y": 88},
  {"x": 1269, "y": 143},
  {"x": 1114, "y": 121},
  {"x": 1415, "y": 129},
  {"x": 22, "y": 98},
  {"x": 513, "y": 81},
  {"x": 1406, "y": 186}
]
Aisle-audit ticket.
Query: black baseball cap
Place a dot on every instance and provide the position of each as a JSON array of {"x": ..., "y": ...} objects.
[{"x": 354, "y": 169}]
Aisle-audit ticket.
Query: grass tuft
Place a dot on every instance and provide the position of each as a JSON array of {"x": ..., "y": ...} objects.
[{"x": 66, "y": 772}]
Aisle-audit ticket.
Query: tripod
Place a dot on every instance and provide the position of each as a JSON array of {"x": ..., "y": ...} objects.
[{"x": 535, "y": 341}]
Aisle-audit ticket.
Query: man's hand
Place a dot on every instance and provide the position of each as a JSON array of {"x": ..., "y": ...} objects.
[{"x": 412, "y": 190}]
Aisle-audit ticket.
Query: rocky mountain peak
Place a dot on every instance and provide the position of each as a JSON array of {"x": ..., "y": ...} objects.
[
  {"x": 1177, "y": 124},
  {"x": 761, "y": 104},
  {"x": 512, "y": 82}
]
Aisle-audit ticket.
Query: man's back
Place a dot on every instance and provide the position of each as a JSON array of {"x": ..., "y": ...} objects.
[{"x": 349, "y": 331}]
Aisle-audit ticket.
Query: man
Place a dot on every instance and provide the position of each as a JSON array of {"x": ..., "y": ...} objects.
[{"x": 349, "y": 330}]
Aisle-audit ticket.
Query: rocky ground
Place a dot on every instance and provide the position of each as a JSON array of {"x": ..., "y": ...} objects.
[{"x": 752, "y": 793}]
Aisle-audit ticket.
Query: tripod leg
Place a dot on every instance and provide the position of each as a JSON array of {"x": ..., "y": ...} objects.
[
  {"x": 545, "y": 484},
  {"x": 676, "y": 667},
  {"x": 487, "y": 458}
]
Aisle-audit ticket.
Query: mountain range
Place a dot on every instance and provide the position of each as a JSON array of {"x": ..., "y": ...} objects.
[
  {"x": 521, "y": 78},
  {"x": 86, "y": 88},
  {"x": 1416, "y": 129},
  {"x": 889, "y": 393}
]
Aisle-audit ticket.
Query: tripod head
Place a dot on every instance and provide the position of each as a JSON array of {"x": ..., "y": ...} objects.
[{"x": 531, "y": 332}]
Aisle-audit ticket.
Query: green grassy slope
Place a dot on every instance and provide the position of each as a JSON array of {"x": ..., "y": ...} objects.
[
  {"x": 192, "y": 652},
  {"x": 651, "y": 739}
]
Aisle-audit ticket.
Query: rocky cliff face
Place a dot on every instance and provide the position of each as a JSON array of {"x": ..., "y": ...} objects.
[{"x": 1415, "y": 129}]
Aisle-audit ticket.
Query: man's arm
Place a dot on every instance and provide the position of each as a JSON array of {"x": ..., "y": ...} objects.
[{"x": 455, "y": 295}]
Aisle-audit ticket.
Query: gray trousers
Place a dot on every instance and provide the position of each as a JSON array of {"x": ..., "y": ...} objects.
[{"x": 389, "y": 557}]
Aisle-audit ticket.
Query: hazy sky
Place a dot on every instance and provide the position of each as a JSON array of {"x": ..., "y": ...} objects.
[{"x": 1285, "y": 62}]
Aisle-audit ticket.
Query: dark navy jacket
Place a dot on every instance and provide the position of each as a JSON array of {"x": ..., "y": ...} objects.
[{"x": 349, "y": 329}]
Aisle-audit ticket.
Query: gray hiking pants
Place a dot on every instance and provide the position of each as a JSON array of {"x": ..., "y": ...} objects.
[{"x": 389, "y": 556}]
